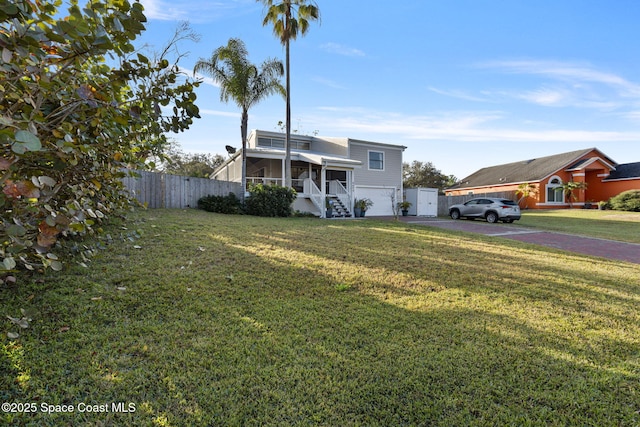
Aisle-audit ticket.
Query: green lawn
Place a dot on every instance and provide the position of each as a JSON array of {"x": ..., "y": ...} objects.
[
  {"x": 615, "y": 225},
  {"x": 234, "y": 320}
]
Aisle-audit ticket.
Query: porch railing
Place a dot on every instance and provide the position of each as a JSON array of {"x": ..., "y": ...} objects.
[
  {"x": 314, "y": 193},
  {"x": 298, "y": 184},
  {"x": 295, "y": 183},
  {"x": 263, "y": 181}
]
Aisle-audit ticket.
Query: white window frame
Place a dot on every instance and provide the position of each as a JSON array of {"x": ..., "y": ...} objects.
[
  {"x": 369, "y": 160},
  {"x": 551, "y": 185}
]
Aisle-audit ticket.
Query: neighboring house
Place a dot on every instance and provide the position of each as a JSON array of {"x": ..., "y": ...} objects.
[
  {"x": 323, "y": 168},
  {"x": 604, "y": 178}
]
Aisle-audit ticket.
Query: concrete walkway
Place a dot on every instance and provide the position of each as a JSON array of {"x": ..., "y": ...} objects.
[{"x": 584, "y": 245}]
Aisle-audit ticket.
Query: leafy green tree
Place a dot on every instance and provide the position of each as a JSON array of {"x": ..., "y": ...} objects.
[
  {"x": 71, "y": 120},
  {"x": 199, "y": 165},
  {"x": 243, "y": 82},
  {"x": 420, "y": 174},
  {"x": 289, "y": 18}
]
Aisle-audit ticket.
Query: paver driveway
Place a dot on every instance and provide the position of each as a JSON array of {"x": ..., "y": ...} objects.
[{"x": 585, "y": 245}]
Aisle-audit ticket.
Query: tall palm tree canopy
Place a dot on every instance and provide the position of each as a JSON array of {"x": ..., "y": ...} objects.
[
  {"x": 240, "y": 80},
  {"x": 290, "y": 17}
]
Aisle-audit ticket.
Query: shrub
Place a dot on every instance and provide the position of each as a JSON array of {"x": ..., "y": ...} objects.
[
  {"x": 270, "y": 200},
  {"x": 79, "y": 103},
  {"x": 229, "y": 204},
  {"x": 626, "y": 201}
]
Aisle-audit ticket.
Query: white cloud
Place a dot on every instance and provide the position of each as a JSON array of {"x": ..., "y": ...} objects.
[
  {"x": 568, "y": 72},
  {"x": 179, "y": 10},
  {"x": 218, "y": 113},
  {"x": 546, "y": 97},
  {"x": 160, "y": 10},
  {"x": 206, "y": 80},
  {"x": 461, "y": 126},
  {"x": 341, "y": 49},
  {"x": 459, "y": 94},
  {"x": 327, "y": 82}
]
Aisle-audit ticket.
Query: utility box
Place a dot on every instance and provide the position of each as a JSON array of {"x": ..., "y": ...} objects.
[{"x": 424, "y": 201}]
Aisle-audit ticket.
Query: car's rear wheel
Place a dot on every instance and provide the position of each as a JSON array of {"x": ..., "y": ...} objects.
[
  {"x": 455, "y": 214},
  {"x": 492, "y": 217}
]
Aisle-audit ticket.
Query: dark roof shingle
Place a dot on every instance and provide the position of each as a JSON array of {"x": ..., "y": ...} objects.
[
  {"x": 625, "y": 171},
  {"x": 523, "y": 171}
]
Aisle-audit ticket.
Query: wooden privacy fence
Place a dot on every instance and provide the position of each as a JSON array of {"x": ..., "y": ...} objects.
[
  {"x": 444, "y": 202},
  {"x": 160, "y": 190}
]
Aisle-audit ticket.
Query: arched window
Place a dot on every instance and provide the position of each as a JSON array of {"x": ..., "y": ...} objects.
[{"x": 555, "y": 194}]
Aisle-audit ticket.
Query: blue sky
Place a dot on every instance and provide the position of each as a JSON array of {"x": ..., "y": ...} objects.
[{"x": 463, "y": 84}]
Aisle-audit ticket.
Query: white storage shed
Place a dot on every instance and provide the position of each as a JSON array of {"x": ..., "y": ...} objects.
[{"x": 424, "y": 201}]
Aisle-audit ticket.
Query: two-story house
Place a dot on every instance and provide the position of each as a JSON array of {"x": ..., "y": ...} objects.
[{"x": 323, "y": 168}]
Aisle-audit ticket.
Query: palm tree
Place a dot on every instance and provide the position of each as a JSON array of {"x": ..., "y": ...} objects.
[
  {"x": 526, "y": 190},
  {"x": 289, "y": 17},
  {"x": 571, "y": 187},
  {"x": 243, "y": 82}
]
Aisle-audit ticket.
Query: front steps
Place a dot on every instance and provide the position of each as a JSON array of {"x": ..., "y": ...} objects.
[{"x": 339, "y": 210}]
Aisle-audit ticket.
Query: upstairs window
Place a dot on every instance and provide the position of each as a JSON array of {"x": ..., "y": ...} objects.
[
  {"x": 279, "y": 143},
  {"x": 376, "y": 160}
]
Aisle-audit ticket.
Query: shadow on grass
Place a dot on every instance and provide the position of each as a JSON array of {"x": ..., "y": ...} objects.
[{"x": 240, "y": 323}]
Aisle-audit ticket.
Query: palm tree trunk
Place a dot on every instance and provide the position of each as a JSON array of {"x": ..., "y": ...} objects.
[
  {"x": 243, "y": 132},
  {"x": 287, "y": 159}
]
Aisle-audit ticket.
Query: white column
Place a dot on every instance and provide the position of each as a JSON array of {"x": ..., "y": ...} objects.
[
  {"x": 323, "y": 190},
  {"x": 350, "y": 189},
  {"x": 283, "y": 166}
]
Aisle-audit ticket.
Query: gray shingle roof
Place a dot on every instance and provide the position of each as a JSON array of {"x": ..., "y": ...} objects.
[
  {"x": 531, "y": 170},
  {"x": 625, "y": 171}
]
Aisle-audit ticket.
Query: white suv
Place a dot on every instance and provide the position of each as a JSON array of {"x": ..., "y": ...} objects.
[{"x": 489, "y": 208}]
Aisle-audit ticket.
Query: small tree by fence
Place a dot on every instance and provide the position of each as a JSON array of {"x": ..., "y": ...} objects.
[
  {"x": 160, "y": 190},
  {"x": 445, "y": 202}
]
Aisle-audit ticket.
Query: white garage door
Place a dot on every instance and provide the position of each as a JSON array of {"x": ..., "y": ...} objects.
[{"x": 381, "y": 198}]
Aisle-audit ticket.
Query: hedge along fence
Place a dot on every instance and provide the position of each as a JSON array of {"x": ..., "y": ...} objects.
[
  {"x": 161, "y": 190},
  {"x": 445, "y": 202}
]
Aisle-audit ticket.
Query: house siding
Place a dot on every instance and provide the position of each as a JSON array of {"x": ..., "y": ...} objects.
[
  {"x": 331, "y": 146},
  {"x": 391, "y": 176}
]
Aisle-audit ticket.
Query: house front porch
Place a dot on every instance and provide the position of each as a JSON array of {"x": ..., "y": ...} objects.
[{"x": 317, "y": 179}]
